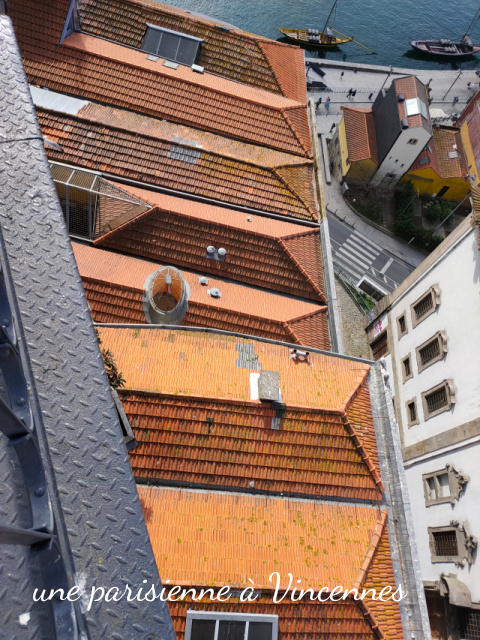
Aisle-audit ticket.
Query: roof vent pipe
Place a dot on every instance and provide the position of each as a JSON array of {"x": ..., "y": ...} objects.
[
  {"x": 165, "y": 299},
  {"x": 401, "y": 97},
  {"x": 222, "y": 252}
]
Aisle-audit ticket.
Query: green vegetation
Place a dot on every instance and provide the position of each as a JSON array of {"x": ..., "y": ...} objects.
[
  {"x": 365, "y": 202},
  {"x": 438, "y": 210},
  {"x": 115, "y": 377},
  {"x": 404, "y": 219}
]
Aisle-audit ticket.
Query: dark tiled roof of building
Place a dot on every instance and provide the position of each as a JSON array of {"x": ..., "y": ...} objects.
[
  {"x": 360, "y": 132},
  {"x": 312, "y": 453},
  {"x": 230, "y": 53},
  {"x": 140, "y": 148},
  {"x": 96, "y": 69},
  {"x": 278, "y": 255},
  {"x": 411, "y": 87},
  {"x": 114, "y": 286}
]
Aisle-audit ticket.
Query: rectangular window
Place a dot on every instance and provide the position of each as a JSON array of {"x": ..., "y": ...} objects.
[
  {"x": 406, "y": 368},
  {"x": 412, "y": 415},
  {"x": 470, "y": 624},
  {"x": 431, "y": 351},
  {"x": 412, "y": 141},
  {"x": 425, "y": 305},
  {"x": 437, "y": 487},
  {"x": 445, "y": 543},
  {"x": 209, "y": 625},
  {"x": 402, "y": 325},
  {"x": 379, "y": 346},
  {"x": 171, "y": 45},
  {"x": 438, "y": 399}
]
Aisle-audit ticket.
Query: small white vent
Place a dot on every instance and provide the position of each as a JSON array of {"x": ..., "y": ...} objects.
[
  {"x": 215, "y": 293},
  {"x": 222, "y": 252},
  {"x": 210, "y": 250},
  {"x": 203, "y": 280},
  {"x": 452, "y": 154}
]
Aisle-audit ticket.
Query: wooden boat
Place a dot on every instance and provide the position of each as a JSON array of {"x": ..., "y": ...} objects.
[
  {"x": 447, "y": 47},
  {"x": 314, "y": 37}
]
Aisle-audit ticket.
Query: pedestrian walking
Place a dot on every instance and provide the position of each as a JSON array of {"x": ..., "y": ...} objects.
[
  {"x": 317, "y": 104},
  {"x": 455, "y": 100},
  {"x": 350, "y": 91},
  {"x": 370, "y": 96},
  {"x": 332, "y": 127},
  {"x": 354, "y": 93},
  {"x": 342, "y": 74},
  {"x": 327, "y": 104}
]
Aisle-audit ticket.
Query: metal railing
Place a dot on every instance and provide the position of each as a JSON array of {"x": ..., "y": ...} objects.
[{"x": 90, "y": 203}]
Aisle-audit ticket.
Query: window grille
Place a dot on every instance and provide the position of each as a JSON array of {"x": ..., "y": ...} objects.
[
  {"x": 423, "y": 307},
  {"x": 445, "y": 543},
  {"x": 470, "y": 624},
  {"x": 402, "y": 325},
  {"x": 436, "y": 400},
  {"x": 429, "y": 352}
]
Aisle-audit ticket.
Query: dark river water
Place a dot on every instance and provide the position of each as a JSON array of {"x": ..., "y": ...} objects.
[{"x": 384, "y": 26}]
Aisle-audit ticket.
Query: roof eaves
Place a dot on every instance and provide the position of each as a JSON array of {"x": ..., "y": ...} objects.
[
  {"x": 311, "y": 282},
  {"x": 365, "y": 456},
  {"x": 375, "y": 541}
]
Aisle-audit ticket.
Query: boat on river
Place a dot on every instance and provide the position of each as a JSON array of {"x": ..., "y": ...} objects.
[
  {"x": 447, "y": 47},
  {"x": 450, "y": 48},
  {"x": 314, "y": 37}
]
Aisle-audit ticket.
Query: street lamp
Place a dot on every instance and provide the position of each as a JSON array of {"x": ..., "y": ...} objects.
[
  {"x": 459, "y": 74},
  {"x": 389, "y": 74}
]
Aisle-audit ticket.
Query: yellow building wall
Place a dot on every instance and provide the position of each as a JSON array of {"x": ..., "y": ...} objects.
[
  {"x": 467, "y": 145},
  {"x": 362, "y": 171},
  {"x": 432, "y": 183},
  {"x": 342, "y": 141}
]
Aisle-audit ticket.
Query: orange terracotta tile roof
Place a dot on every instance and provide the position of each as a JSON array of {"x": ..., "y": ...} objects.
[
  {"x": 279, "y": 255},
  {"x": 244, "y": 178},
  {"x": 114, "y": 286},
  {"x": 449, "y": 141},
  {"x": 207, "y": 367},
  {"x": 311, "y": 454},
  {"x": 231, "y": 53},
  {"x": 360, "y": 132},
  {"x": 96, "y": 69},
  {"x": 207, "y": 538},
  {"x": 336, "y": 621},
  {"x": 437, "y": 151}
]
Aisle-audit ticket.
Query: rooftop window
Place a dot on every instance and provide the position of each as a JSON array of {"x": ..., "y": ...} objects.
[
  {"x": 171, "y": 45},
  {"x": 205, "y": 625},
  {"x": 415, "y": 106}
]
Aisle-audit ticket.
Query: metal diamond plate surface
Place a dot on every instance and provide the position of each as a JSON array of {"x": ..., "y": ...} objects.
[{"x": 102, "y": 529}]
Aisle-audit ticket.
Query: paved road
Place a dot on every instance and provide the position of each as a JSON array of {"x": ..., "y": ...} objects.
[{"x": 363, "y": 260}]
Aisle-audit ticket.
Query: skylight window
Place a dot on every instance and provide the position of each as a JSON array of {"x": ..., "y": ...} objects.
[
  {"x": 171, "y": 45},
  {"x": 415, "y": 106}
]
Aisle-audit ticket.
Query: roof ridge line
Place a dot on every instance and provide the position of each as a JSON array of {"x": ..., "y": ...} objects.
[
  {"x": 293, "y": 129},
  {"x": 367, "y": 614},
  {"x": 322, "y": 309},
  {"x": 349, "y": 399},
  {"x": 274, "y": 170},
  {"x": 301, "y": 233},
  {"x": 363, "y": 453},
  {"x": 373, "y": 546},
  {"x": 308, "y": 278},
  {"x": 197, "y": 398},
  {"x": 272, "y": 69}
]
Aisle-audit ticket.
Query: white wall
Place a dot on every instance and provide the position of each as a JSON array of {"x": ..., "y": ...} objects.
[
  {"x": 457, "y": 273},
  {"x": 458, "y": 314},
  {"x": 466, "y": 460},
  {"x": 400, "y": 157}
]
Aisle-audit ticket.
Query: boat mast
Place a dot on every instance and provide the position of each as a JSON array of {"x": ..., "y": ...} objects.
[
  {"x": 470, "y": 25},
  {"x": 329, "y": 15}
]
